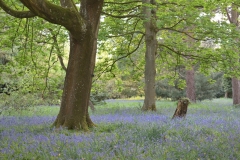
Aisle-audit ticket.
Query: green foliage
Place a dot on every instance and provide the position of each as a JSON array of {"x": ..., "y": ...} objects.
[
  {"x": 207, "y": 87},
  {"x": 227, "y": 86},
  {"x": 165, "y": 90},
  {"x": 17, "y": 102},
  {"x": 120, "y": 58},
  {"x": 20, "y": 102},
  {"x": 186, "y": 28},
  {"x": 32, "y": 47}
]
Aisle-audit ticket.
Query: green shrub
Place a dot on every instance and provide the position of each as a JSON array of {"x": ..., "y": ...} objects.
[{"x": 17, "y": 101}]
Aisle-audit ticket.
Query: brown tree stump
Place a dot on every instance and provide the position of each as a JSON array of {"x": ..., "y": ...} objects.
[{"x": 181, "y": 109}]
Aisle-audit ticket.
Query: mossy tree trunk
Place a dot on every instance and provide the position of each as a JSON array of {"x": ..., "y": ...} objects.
[
  {"x": 150, "y": 56},
  {"x": 181, "y": 109},
  {"x": 83, "y": 30},
  {"x": 76, "y": 94},
  {"x": 74, "y": 107}
]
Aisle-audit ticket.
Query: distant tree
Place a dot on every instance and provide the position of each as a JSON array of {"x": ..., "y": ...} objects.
[
  {"x": 227, "y": 87},
  {"x": 83, "y": 27}
]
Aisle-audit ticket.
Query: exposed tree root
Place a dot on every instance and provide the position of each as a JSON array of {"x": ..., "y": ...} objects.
[
  {"x": 149, "y": 108},
  {"x": 83, "y": 123}
]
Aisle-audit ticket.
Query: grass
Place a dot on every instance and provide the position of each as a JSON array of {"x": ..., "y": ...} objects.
[{"x": 210, "y": 131}]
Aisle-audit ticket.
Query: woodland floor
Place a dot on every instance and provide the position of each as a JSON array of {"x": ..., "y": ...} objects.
[{"x": 210, "y": 131}]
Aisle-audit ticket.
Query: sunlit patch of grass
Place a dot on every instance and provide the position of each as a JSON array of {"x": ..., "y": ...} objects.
[{"x": 34, "y": 111}]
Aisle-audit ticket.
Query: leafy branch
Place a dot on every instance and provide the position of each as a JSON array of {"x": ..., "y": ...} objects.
[{"x": 109, "y": 67}]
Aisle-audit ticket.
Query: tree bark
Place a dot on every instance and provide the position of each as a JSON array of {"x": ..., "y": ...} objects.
[
  {"x": 190, "y": 82},
  {"x": 236, "y": 91},
  {"x": 74, "y": 110},
  {"x": 76, "y": 94},
  {"x": 235, "y": 82},
  {"x": 151, "y": 49},
  {"x": 181, "y": 109},
  {"x": 91, "y": 105}
]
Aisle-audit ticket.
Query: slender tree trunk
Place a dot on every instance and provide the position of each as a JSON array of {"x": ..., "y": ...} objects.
[
  {"x": 235, "y": 81},
  {"x": 226, "y": 95},
  {"x": 151, "y": 49},
  {"x": 73, "y": 113},
  {"x": 236, "y": 91},
  {"x": 190, "y": 90}
]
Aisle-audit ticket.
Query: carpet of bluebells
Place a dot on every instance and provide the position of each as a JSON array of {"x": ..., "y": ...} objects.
[{"x": 211, "y": 130}]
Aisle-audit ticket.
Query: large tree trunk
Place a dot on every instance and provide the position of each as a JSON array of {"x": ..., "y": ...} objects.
[
  {"x": 74, "y": 107},
  {"x": 236, "y": 91},
  {"x": 73, "y": 113},
  {"x": 151, "y": 48},
  {"x": 190, "y": 90}
]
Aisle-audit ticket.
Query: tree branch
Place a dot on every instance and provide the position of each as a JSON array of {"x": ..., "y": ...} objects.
[
  {"x": 55, "y": 42},
  {"x": 55, "y": 14},
  {"x": 181, "y": 32},
  {"x": 177, "y": 23},
  {"x": 122, "y": 3},
  {"x": 61, "y": 62},
  {"x": 129, "y": 33},
  {"x": 14, "y": 13},
  {"x": 121, "y": 10},
  {"x": 189, "y": 56},
  {"x": 229, "y": 18},
  {"x": 124, "y": 16},
  {"x": 173, "y": 3},
  {"x": 114, "y": 61}
]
